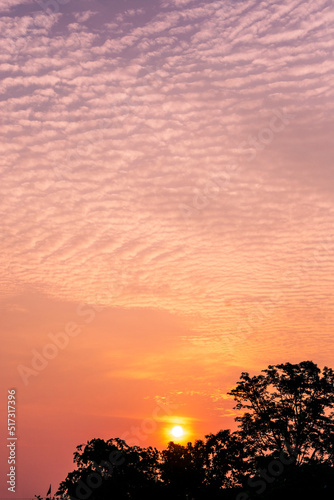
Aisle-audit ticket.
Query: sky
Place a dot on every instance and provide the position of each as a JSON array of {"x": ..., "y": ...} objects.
[{"x": 166, "y": 214}]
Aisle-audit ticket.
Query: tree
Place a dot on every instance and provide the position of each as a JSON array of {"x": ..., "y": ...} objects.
[
  {"x": 112, "y": 469},
  {"x": 182, "y": 469},
  {"x": 288, "y": 411},
  {"x": 224, "y": 460}
]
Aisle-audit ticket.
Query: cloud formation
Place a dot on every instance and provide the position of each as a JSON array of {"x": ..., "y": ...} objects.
[
  {"x": 168, "y": 159},
  {"x": 143, "y": 142}
]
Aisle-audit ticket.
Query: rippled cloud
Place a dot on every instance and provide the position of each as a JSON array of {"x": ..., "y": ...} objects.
[{"x": 186, "y": 145}]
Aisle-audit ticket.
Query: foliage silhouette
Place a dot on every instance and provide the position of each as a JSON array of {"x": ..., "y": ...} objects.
[
  {"x": 288, "y": 409},
  {"x": 112, "y": 466},
  {"x": 283, "y": 448}
]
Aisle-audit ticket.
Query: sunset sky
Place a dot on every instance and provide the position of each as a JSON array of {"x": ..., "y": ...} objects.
[{"x": 166, "y": 208}]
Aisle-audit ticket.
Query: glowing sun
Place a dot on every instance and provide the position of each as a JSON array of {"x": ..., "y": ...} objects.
[{"x": 177, "y": 431}]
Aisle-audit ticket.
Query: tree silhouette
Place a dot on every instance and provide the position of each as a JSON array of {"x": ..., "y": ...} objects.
[
  {"x": 182, "y": 469},
  {"x": 284, "y": 448},
  {"x": 224, "y": 460},
  {"x": 112, "y": 467},
  {"x": 288, "y": 410}
]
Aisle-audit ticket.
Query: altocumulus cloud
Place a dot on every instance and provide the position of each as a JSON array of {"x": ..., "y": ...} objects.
[{"x": 116, "y": 122}]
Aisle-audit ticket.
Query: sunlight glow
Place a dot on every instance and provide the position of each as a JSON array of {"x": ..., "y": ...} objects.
[{"x": 177, "y": 431}]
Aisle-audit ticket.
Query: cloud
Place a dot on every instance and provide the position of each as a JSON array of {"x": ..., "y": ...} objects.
[
  {"x": 82, "y": 17},
  {"x": 154, "y": 144},
  {"x": 6, "y": 5}
]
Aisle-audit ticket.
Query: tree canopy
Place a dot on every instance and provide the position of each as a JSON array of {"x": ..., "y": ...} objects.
[{"x": 289, "y": 409}]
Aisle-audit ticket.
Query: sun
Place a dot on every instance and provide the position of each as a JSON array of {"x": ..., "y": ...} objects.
[{"x": 177, "y": 431}]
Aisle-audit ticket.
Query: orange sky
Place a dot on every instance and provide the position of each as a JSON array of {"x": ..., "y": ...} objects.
[{"x": 167, "y": 214}]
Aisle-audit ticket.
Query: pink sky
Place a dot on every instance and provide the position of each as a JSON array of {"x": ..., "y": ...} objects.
[{"x": 167, "y": 187}]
